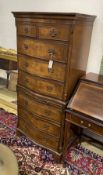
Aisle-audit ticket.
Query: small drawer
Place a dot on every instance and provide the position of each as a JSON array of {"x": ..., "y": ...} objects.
[
  {"x": 40, "y": 85},
  {"x": 97, "y": 128},
  {"x": 40, "y": 108},
  {"x": 39, "y": 123},
  {"x": 26, "y": 29},
  {"x": 54, "y": 32},
  {"x": 46, "y": 50},
  {"x": 40, "y": 68},
  {"x": 44, "y": 139}
]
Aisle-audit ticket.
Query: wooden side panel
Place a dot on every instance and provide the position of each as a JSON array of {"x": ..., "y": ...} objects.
[{"x": 79, "y": 55}]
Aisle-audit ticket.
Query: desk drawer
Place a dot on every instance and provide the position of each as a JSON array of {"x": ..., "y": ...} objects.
[
  {"x": 41, "y": 108},
  {"x": 56, "y": 51},
  {"x": 86, "y": 124},
  {"x": 40, "y": 68},
  {"x": 54, "y": 32},
  {"x": 8, "y": 64},
  {"x": 40, "y": 85},
  {"x": 36, "y": 135},
  {"x": 27, "y": 29}
]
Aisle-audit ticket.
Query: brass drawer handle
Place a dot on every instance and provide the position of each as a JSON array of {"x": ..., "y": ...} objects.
[
  {"x": 47, "y": 112},
  {"x": 51, "y": 53},
  {"x": 45, "y": 126},
  {"x": 53, "y": 32},
  {"x": 81, "y": 121},
  {"x": 26, "y": 30},
  {"x": 26, "y": 103},
  {"x": 49, "y": 88},
  {"x": 26, "y": 80},
  {"x": 26, "y": 64},
  {"x": 25, "y": 46},
  {"x": 89, "y": 125}
]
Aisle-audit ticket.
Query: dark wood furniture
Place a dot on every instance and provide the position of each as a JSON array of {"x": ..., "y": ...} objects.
[
  {"x": 85, "y": 108},
  {"x": 52, "y": 55},
  {"x": 8, "y": 63}
]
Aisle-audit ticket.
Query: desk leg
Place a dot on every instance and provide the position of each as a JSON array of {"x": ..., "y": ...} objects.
[{"x": 67, "y": 135}]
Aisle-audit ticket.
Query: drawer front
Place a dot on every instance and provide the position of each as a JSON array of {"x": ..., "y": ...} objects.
[
  {"x": 45, "y": 50},
  {"x": 40, "y": 68},
  {"x": 48, "y": 141},
  {"x": 39, "y": 108},
  {"x": 39, "y": 123},
  {"x": 40, "y": 85},
  {"x": 86, "y": 124},
  {"x": 26, "y": 29},
  {"x": 59, "y": 32}
]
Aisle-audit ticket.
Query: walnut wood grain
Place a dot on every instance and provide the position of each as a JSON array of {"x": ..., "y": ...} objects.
[
  {"x": 63, "y": 39},
  {"x": 40, "y": 68}
]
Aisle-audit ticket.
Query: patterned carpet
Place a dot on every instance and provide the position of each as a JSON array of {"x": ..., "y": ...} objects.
[{"x": 34, "y": 160}]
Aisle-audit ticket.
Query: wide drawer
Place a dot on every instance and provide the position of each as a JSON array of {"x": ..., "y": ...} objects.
[
  {"x": 55, "y": 32},
  {"x": 39, "y": 123},
  {"x": 27, "y": 29},
  {"x": 43, "y": 49},
  {"x": 40, "y": 68},
  {"x": 49, "y": 88},
  {"x": 39, "y": 107},
  {"x": 97, "y": 128},
  {"x": 38, "y": 136}
]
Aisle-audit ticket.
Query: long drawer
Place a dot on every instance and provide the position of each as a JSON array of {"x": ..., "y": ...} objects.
[
  {"x": 92, "y": 126},
  {"x": 39, "y": 107},
  {"x": 38, "y": 136},
  {"x": 39, "y": 123},
  {"x": 43, "y": 49},
  {"x": 41, "y": 68},
  {"x": 39, "y": 85}
]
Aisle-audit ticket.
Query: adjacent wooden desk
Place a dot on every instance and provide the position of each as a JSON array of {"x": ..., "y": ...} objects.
[
  {"x": 8, "y": 63},
  {"x": 85, "y": 108}
]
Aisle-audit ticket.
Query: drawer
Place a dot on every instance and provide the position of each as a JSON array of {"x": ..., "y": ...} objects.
[
  {"x": 56, "y": 51},
  {"x": 86, "y": 124},
  {"x": 39, "y": 123},
  {"x": 40, "y": 85},
  {"x": 40, "y": 108},
  {"x": 55, "y": 32},
  {"x": 27, "y": 29},
  {"x": 40, "y": 68},
  {"x": 38, "y": 136}
]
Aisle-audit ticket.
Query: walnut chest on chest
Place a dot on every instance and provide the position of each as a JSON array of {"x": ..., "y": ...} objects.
[{"x": 52, "y": 51}]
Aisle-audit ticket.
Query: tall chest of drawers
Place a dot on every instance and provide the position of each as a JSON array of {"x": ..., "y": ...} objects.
[{"x": 52, "y": 52}]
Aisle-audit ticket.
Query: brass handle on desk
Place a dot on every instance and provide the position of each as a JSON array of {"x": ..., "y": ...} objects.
[
  {"x": 89, "y": 125},
  {"x": 53, "y": 32},
  {"x": 81, "y": 121}
]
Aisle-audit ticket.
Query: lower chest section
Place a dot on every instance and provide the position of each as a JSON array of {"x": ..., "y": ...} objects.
[{"x": 41, "y": 120}]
